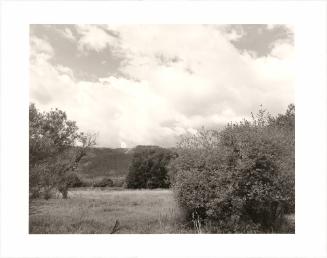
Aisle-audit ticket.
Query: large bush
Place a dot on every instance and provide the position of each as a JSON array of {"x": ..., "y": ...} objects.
[
  {"x": 149, "y": 168},
  {"x": 241, "y": 178}
]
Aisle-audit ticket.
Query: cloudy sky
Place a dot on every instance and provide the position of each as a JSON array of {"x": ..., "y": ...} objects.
[{"x": 148, "y": 84}]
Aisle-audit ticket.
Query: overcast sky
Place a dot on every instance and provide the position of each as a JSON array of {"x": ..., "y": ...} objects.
[{"x": 147, "y": 84}]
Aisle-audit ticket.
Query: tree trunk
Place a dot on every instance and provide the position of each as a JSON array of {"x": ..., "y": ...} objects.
[{"x": 64, "y": 191}]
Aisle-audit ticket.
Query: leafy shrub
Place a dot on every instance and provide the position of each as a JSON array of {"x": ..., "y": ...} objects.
[
  {"x": 240, "y": 179},
  {"x": 73, "y": 180},
  {"x": 105, "y": 182},
  {"x": 119, "y": 182},
  {"x": 149, "y": 168}
]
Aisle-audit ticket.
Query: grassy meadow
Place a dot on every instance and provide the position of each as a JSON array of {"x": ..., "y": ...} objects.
[{"x": 95, "y": 211}]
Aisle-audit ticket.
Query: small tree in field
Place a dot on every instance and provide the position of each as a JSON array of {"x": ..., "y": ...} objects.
[
  {"x": 56, "y": 148},
  {"x": 149, "y": 168}
]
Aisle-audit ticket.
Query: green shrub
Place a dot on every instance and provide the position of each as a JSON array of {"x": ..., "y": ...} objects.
[
  {"x": 119, "y": 182},
  {"x": 149, "y": 168},
  {"x": 105, "y": 182},
  {"x": 74, "y": 181},
  {"x": 239, "y": 179}
]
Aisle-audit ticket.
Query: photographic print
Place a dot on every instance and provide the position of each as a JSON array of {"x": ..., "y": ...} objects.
[{"x": 161, "y": 129}]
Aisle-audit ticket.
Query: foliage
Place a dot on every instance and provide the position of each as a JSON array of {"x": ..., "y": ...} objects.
[
  {"x": 73, "y": 180},
  {"x": 105, "y": 182},
  {"x": 56, "y": 148},
  {"x": 119, "y": 182},
  {"x": 241, "y": 178},
  {"x": 149, "y": 168}
]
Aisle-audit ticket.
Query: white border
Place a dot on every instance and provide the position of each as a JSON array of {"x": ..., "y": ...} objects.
[{"x": 309, "y": 19}]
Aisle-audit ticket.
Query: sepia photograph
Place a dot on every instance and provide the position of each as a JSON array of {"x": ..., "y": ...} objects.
[{"x": 161, "y": 129}]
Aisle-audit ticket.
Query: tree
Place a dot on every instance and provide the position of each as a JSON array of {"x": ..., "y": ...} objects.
[
  {"x": 56, "y": 148},
  {"x": 149, "y": 168}
]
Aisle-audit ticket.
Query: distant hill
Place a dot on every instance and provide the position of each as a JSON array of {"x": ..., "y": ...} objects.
[{"x": 105, "y": 162}]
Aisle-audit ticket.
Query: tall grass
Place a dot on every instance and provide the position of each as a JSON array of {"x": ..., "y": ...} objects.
[{"x": 96, "y": 212}]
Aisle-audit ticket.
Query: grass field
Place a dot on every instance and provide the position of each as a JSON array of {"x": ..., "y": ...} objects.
[{"x": 95, "y": 211}]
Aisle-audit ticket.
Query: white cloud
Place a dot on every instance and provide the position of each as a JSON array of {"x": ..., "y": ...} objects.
[
  {"x": 232, "y": 33},
  {"x": 271, "y": 26},
  {"x": 282, "y": 50},
  {"x": 183, "y": 77},
  {"x": 40, "y": 48},
  {"x": 289, "y": 27},
  {"x": 68, "y": 34},
  {"x": 94, "y": 38}
]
